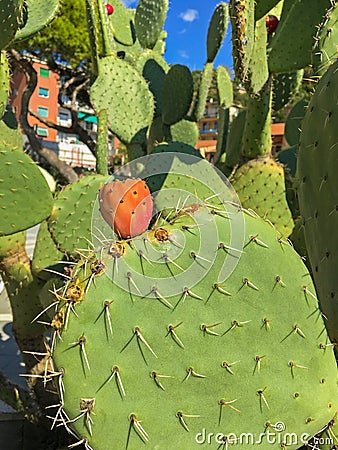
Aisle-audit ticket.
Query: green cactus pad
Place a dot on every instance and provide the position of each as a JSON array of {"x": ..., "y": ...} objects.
[
  {"x": 39, "y": 14},
  {"x": 234, "y": 142},
  {"x": 70, "y": 221},
  {"x": 178, "y": 91},
  {"x": 242, "y": 16},
  {"x": 263, "y": 7},
  {"x": 290, "y": 48},
  {"x": 324, "y": 51},
  {"x": 153, "y": 68},
  {"x": 294, "y": 121},
  {"x": 257, "y": 131},
  {"x": 318, "y": 194},
  {"x": 4, "y": 83},
  {"x": 195, "y": 356},
  {"x": 203, "y": 91},
  {"x": 224, "y": 87},
  {"x": 288, "y": 158},
  {"x": 123, "y": 92},
  {"x": 258, "y": 67},
  {"x": 10, "y": 18},
  {"x": 10, "y": 133},
  {"x": 185, "y": 131},
  {"x": 285, "y": 86},
  {"x": 216, "y": 31},
  {"x": 149, "y": 20},
  {"x": 260, "y": 186},
  {"x": 122, "y": 22},
  {"x": 25, "y": 198},
  {"x": 46, "y": 254}
]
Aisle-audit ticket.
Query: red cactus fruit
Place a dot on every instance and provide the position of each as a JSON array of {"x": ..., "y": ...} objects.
[
  {"x": 126, "y": 206},
  {"x": 109, "y": 8},
  {"x": 271, "y": 23}
]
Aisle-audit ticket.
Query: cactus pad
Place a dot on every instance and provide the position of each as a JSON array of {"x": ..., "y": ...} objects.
[
  {"x": 39, "y": 14},
  {"x": 25, "y": 198},
  {"x": 4, "y": 83},
  {"x": 263, "y": 7},
  {"x": 46, "y": 254},
  {"x": 122, "y": 22},
  {"x": 242, "y": 16},
  {"x": 149, "y": 20},
  {"x": 70, "y": 221},
  {"x": 260, "y": 186},
  {"x": 290, "y": 48},
  {"x": 10, "y": 18},
  {"x": 318, "y": 194},
  {"x": 294, "y": 121},
  {"x": 178, "y": 88},
  {"x": 285, "y": 86},
  {"x": 216, "y": 31},
  {"x": 325, "y": 46},
  {"x": 10, "y": 133},
  {"x": 122, "y": 91},
  {"x": 154, "y": 345}
]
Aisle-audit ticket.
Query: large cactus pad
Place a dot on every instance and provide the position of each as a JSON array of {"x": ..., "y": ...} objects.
[{"x": 162, "y": 341}]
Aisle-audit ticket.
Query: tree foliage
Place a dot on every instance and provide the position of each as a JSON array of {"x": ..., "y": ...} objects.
[{"x": 65, "y": 39}]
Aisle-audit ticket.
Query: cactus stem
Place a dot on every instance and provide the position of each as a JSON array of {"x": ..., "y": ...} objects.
[{"x": 171, "y": 331}]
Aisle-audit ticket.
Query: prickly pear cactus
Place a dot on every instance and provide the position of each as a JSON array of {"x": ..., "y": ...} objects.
[
  {"x": 184, "y": 330},
  {"x": 318, "y": 194},
  {"x": 25, "y": 198},
  {"x": 260, "y": 185}
]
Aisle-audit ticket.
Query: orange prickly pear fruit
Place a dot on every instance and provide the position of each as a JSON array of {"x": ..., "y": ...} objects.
[{"x": 126, "y": 206}]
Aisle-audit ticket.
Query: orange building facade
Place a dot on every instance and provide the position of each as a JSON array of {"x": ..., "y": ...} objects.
[{"x": 43, "y": 102}]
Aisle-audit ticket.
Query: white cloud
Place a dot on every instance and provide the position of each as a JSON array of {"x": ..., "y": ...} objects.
[
  {"x": 183, "y": 54},
  {"x": 189, "y": 15}
]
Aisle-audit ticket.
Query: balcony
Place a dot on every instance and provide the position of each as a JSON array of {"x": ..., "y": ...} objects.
[
  {"x": 210, "y": 130},
  {"x": 207, "y": 114}
]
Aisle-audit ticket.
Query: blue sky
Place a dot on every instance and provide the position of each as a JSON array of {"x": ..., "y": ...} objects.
[{"x": 187, "y": 26}]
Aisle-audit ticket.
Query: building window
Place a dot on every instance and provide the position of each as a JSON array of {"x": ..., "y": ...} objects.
[
  {"x": 64, "y": 116},
  {"x": 43, "y": 92},
  {"x": 44, "y": 72},
  {"x": 43, "y": 112},
  {"x": 42, "y": 132}
]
